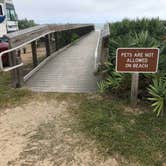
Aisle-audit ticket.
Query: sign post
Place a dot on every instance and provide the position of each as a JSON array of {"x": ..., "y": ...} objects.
[
  {"x": 135, "y": 61},
  {"x": 134, "y": 89}
]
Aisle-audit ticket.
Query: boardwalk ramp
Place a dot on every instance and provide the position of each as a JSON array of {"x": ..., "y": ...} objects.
[{"x": 72, "y": 70}]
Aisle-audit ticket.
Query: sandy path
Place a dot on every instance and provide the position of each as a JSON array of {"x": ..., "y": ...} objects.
[
  {"x": 17, "y": 124},
  {"x": 22, "y": 143}
]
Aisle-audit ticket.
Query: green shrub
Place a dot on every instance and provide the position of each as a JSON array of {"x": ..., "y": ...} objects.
[
  {"x": 74, "y": 37},
  {"x": 25, "y": 23},
  {"x": 158, "y": 95},
  {"x": 135, "y": 33}
]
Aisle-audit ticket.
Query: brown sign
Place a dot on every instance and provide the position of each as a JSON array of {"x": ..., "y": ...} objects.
[{"x": 141, "y": 60}]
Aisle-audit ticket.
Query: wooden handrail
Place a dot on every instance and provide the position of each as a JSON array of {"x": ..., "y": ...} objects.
[
  {"x": 105, "y": 31},
  {"x": 19, "y": 39},
  {"x": 23, "y": 36},
  {"x": 102, "y": 50}
]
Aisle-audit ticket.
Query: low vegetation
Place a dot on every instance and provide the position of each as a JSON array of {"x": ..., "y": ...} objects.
[
  {"x": 148, "y": 33},
  {"x": 74, "y": 37},
  {"x": 135, "y": 135},
  {"x": 25, "y": 23},
  {"x": 10, "y": 96},
  {"x": 158, "y": 93}
]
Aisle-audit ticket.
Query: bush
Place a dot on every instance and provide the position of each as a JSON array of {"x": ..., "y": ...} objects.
[
  {"x": 74, "y": 37},
  {"x": 135, "y": 33},
  {"x": 158, "y": 92}
]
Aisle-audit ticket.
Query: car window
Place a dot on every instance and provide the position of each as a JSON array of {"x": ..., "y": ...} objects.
[
  {"x": 8, "y": 14},
  {"x": 1, "y": 10},
  {"x": 11, "y": 15}
]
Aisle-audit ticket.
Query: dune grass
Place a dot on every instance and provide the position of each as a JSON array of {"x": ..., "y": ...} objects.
[{"x": 138, "y": 137}]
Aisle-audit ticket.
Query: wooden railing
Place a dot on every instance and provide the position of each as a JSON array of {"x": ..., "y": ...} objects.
[
  {"x": 55, "y": 37},
  {"x": 105, "y": 35},
  {"x": 102, "y": 49}
]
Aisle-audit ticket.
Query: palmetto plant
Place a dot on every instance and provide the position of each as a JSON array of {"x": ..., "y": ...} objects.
[
  {"x": 158, "y": 95},
  {"x": 155, "y": 27},
  {"x": 162, "y": 61},
  {"x": 117, "y": 42},
  {"x": 113, "y": 79},
  {"x": 143, "y": 39},
  {"x": 102, "y": 85},
  {"x": 136, "y": 33}
]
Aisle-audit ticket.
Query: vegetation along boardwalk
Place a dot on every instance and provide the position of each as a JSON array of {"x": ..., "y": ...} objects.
[{"x": 72, "y": 70}]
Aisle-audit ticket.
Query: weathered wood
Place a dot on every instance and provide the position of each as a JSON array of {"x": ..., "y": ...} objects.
[
  {"x": 31, "y": 35},
  {"x": 12, "y": 61},
  {"x": 56, "y": 41},
  {"x": 105, "y": 34},
  {"x": 23, "y": 36},
  {"x": 105, "y": 31},
  {"x": 52, "y": 43},
  {"x": 105, "y": 50},
  {"x": 48, "y": 44},
  {"x": 16, "y": 74},
  {"x": 69, "y": 71},
  {"x": 65, "y": 27},
  {"x": 134, "y": 89},
  {"x": 34, "y": 54},
  {"x": 24, "y": 50}
]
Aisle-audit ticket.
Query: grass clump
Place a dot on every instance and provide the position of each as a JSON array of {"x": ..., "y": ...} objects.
[
  {"x": 10, "y": 96},
  {"x": 136, "y": 137}
]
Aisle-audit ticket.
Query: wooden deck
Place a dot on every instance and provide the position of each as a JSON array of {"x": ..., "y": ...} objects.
[{"x": 70, "y": 71}]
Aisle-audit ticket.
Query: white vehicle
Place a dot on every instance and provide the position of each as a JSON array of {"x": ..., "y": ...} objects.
[{"x": 8, "y": 17}]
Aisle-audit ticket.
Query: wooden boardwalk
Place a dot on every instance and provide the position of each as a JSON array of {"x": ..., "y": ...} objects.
[{"x": 70, "y": 71}]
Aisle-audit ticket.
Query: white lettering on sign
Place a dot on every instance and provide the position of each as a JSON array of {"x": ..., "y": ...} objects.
[
  {"x": 140, "y": 60},
  {"x": 126, "y": 55},
  {"x": 149, "y": 55},
  {"x": 140, "y": 65}
]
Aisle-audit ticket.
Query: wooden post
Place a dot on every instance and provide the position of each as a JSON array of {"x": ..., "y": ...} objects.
[
  {"x": 52, "y": 42},
  {"x": 16, "y": 73},
  {"x": 34, "y": 53},
  {"x": 134, "y": 89},
  {"x": 104, "y": 51},
  {"x": 24, "y": 50},
  {"x": 47, "y": 44},
  {"x": 107, "y": 48},
  {"x": 56, "y": 40},
  {"x": 12, "y": 61}
]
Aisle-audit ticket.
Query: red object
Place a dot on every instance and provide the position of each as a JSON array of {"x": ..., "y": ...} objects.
[
  {"x": 137, "y": 60},
  {"x": 3, "y": 47}
]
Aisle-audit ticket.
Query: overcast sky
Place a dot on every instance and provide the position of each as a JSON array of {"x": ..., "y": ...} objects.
[{"x": 90, "y": 11}]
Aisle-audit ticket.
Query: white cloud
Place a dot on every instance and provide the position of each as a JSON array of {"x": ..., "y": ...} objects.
[{"x": 89, "y": 10}]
